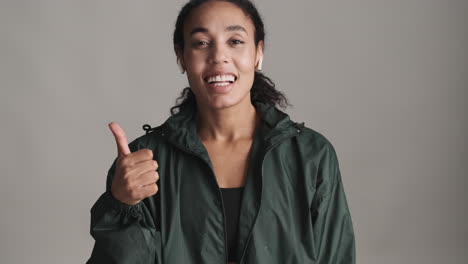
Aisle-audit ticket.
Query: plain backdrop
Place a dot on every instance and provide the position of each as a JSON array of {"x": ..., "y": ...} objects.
[{"x": 385, "y": 81}]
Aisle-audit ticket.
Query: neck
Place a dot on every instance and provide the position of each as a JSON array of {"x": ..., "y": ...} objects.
[{"x": 228, "y": 124}]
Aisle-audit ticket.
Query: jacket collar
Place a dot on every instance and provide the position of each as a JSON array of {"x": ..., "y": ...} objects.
[{"x": 181, "y": 127}]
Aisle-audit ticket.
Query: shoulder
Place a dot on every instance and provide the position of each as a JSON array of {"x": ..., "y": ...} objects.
[
  {"x": 321, "y": 152},
  {"x": 316, "y": 144}
]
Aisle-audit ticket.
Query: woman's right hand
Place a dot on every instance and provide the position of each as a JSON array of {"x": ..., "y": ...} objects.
[{"x": 135, "y": 173}]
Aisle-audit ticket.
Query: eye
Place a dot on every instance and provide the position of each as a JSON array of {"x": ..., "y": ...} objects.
[
  {"x": 236, "y": 41},
  {"x": 201, "y": 43}
]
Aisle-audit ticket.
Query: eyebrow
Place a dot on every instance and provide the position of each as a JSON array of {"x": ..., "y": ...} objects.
[{"x": 229, "y": 28}]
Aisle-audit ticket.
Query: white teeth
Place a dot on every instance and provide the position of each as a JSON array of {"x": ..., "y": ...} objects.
[
  {"x": 221, "y": 84},
  {"x": 221, "y": 78}
]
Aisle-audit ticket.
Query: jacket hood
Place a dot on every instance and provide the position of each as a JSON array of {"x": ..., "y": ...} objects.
[{"x": 181, "y": 130}]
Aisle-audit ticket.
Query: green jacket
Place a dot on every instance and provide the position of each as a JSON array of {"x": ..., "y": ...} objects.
[{"x": 294, "y": 209}]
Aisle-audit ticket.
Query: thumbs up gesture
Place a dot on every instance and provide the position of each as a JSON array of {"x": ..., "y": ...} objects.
[{"x": 135, "y": 174}]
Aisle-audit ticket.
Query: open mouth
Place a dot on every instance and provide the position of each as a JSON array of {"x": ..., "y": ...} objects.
[{"x": 220, "y": 82}]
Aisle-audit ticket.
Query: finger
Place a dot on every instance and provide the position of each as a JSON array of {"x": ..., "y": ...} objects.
[
  {"x": 143, "y": 167},
  {"x": 148, "y": 178},
  {"x": 140, "y": 156},
  {"x": 149, "y": 190},
  {"x": 120, "y": 139}
]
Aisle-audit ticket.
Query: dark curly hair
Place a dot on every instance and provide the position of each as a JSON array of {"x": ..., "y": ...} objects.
[{"x": 263, "y": 88}]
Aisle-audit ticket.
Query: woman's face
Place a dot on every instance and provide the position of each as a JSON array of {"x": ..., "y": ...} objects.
[{"x": 219, "y": 41}]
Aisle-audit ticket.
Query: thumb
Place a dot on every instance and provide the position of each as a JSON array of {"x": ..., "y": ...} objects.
[{"x": 120, "y": 139}]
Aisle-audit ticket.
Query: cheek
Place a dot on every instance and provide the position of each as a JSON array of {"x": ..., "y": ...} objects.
[
  {"x": 194, "y": 61},
  {"x": 246, "y": 62}
]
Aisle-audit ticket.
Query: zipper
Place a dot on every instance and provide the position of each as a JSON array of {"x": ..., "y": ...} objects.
[
  {"x": 263, "y": 160},
  {"x": 219, "y": 193},
  {"x": 224, "y": 221}
]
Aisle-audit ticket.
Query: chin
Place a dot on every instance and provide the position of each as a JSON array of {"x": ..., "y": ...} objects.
[
  {"x": 226, "y": 101},
  {"x": 222, "y": 103}
]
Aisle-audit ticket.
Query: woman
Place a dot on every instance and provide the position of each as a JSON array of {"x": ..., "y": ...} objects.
[{"x": 229, "y": 178}]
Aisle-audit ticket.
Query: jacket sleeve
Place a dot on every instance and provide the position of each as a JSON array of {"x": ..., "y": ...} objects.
[
  {"x": 123, "y": 233},
  {"x": 331, "y": 220}
]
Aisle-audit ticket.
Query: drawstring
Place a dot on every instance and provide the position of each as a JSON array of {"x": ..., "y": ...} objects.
[
  {"x": 299, "y": 126},
  {"x": 148, "y": 128}
]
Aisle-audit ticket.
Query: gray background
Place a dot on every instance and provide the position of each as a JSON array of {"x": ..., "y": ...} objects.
[{"x": 385, "y": 81}]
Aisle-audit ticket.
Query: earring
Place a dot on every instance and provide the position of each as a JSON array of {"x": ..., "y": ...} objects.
[
  {"x": 180, "y": 66},
  {"x": 259, "y": 67}
]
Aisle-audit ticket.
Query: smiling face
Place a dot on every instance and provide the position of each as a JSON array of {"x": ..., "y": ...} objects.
[{"x": 219, "y": 41}]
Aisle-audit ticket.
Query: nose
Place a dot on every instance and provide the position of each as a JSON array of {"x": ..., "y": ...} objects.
[{"x": 219, "y": 54}]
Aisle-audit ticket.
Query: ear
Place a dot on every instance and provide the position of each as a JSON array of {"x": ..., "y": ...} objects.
[{"x": 259, "y": 53}]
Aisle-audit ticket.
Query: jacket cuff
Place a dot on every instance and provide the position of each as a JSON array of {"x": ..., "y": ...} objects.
[{"x": 120, "y": 207}]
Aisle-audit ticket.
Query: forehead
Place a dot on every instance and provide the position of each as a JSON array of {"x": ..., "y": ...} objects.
[{"x": 216, "y": 16}]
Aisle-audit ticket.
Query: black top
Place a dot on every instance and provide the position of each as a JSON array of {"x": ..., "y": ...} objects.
[{"x": 232, "y": 198}]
